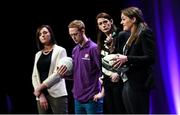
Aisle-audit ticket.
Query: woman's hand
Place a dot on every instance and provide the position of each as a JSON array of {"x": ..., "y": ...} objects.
[
  {"x": 114, "y": 77},
  {"x": 119, "y": 61},
  {"x": 43, "y": 102},
  {"x": 38, "y": 90}
]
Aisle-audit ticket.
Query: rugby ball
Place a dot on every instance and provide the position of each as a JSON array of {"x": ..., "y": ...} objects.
[
  {"x": 107, "y": 63},
  {"x": 67, "y": 61},
  {"x": 108, "y": 59}
]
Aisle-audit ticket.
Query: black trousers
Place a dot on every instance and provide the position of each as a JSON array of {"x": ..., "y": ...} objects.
[
  {"x": 135, "y": 101},
  {"x": 113, "y": 103}
]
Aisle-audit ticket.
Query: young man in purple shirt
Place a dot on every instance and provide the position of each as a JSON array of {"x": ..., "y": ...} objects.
[{"x": 86, "y": 70}]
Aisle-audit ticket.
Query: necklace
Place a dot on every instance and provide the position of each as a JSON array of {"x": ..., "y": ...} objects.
[{"x": 47, "y": 52}]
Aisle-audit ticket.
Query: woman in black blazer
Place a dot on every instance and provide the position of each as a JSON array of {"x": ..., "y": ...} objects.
[{"x": 138, "y": 57}]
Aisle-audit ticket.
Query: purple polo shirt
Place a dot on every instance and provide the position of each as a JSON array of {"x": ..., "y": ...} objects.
[{"x": 86, "y": 71}]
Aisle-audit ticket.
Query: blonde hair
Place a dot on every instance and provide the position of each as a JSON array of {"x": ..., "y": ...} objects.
[{"x": 77, "y": 24}]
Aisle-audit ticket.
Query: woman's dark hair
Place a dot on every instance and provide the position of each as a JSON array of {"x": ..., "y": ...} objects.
[
  {"x": 52, "y": 37},
  {"x": 100, "y": 34}
]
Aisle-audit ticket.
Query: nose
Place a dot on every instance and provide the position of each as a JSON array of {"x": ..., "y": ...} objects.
[
  {"x": 42, "y": 35},
  {"x": 104, "y": 25},
  {"x": 121, "y": 22},
  {"x": 73, "y": 37}
]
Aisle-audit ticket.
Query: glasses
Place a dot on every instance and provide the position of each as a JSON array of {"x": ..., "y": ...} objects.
[{"x": 74, "y": 34}]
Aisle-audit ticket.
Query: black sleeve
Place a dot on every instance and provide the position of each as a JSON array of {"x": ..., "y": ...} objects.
[
  {"x": 121, "y": 40},
  {"x": 144, "y": 52}
]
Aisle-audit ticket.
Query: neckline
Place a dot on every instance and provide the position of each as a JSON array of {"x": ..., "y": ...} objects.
[{"x": 47, "y": 52}]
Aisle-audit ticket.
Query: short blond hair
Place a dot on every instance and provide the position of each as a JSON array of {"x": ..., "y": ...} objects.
[{"x": 76, "y": 24}]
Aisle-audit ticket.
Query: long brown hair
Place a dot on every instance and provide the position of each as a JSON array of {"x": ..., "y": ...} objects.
[{"x": 132, "y": 12}]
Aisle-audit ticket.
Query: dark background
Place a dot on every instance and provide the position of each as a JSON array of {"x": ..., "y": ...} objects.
[{"x": 19, "y": 21}]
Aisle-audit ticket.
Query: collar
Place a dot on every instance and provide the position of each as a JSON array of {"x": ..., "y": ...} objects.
[{"x": 87, "y": 44}]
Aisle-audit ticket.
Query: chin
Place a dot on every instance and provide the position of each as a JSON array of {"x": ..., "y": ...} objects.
[
  {"x": 125, "y": 29},
  {"x": 105, "y": 31}
]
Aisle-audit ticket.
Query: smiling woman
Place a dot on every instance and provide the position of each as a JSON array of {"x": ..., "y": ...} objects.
[{"x": 139, "y": 56}]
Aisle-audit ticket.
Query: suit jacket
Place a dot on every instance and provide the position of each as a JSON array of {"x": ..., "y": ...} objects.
[
  {"x": 141, "y": 55},
  {"x": 56, "y": 85}
]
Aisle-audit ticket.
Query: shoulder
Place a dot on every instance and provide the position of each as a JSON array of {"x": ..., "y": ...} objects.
[
  {"x": 93, "y": 45},
  {"x": 146, "y": 31},
  {"x": 39, "y": 52},
  {"x": 75, "y": 48},
  {"x": 123, "y": 34},
  {"x": 146, "y": 34},
  {"x": 122, "y": 37},
  {"x": 57, "y": 47}
]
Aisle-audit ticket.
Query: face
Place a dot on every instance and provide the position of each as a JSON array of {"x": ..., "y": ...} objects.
[
  {"x": 76, "y": 35},
  {"x": 104, "y": 24},
  {"x": 44, "y": 36},
  {"x": 126, "y": 22}
]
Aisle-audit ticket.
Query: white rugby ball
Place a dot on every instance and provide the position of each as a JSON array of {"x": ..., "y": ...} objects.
[
  {"x": 108, "y": 59},
  {"x": 67, "y": 61}
]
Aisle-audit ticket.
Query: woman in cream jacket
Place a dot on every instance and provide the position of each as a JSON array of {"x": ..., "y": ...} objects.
[{"x": 49, "y": 87}]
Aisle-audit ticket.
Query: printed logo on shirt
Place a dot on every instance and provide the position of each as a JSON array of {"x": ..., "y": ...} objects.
[{"x": 86, "y": 57}]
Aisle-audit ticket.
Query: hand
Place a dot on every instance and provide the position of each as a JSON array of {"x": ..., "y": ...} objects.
[
  {"x": 109, "y": 39},
  {"x": 62, "y": 70},
  {"x": 101, "y": 79},
  {"x": 119, "y": 61},
  {"x": 109, "y": 43},
  {"x": 43, "y": 102},
  {"x": 98, "y": 96},
  {"x": 37, "y": 91},
  {"x": 114, "y": 77}
]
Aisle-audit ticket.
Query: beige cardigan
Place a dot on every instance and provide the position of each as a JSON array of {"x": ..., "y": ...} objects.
[{"x": 56, "y": 85}]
